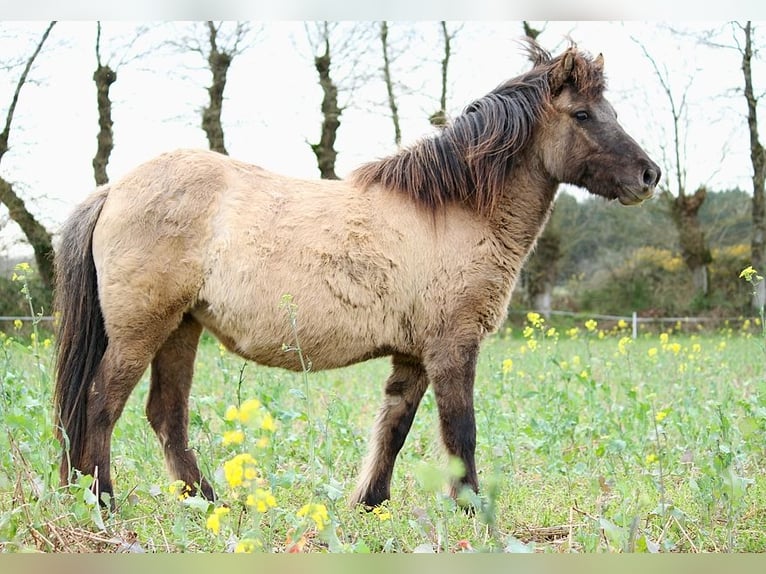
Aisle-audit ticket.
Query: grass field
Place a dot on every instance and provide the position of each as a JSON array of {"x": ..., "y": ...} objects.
[{"x": 588, "y": 441}]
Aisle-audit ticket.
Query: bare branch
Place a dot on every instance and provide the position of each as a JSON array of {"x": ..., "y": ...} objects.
[{"x": 4, "y": 135}]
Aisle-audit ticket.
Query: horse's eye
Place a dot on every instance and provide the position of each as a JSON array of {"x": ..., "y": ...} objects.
[{"x": 581, "y": 115}]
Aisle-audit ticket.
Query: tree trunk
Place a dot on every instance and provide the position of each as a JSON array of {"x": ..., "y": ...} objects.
[
  {"x": 37, "y": 236},
  {"x": 219, "y": 62},
  {"x": 104, "y": 77},
  {"x": 758, "y": 159},
  {"x": 325, "y": 149},
  {"x": 390, "y": 84},
  {"x": 439, "y": 117},
  {"x": 684, "y": 211}
]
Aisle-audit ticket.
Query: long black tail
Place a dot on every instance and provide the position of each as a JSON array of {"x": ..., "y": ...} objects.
[{"x": 81, "y": 337}]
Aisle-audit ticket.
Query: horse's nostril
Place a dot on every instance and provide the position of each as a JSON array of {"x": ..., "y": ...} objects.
[{"x": 651, "y": 176}]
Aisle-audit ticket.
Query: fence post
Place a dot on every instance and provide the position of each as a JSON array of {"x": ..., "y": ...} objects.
[{"x": 635, "y": 325}]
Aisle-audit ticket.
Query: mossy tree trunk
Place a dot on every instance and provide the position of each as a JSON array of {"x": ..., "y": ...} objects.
[
  {"x": 758, "y": 160},
  {"x": 324, "y": 150},
  {"x": 104, "y": 77},
  {"x": 36, "y": 234}
]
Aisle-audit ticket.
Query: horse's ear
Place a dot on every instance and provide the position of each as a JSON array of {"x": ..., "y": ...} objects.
[
  {"x": 598, "y": 63},
  {"x": 562, "y": 72}
]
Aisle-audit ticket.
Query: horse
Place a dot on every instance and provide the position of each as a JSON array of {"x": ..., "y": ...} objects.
[{"x": 414, "y": 257}]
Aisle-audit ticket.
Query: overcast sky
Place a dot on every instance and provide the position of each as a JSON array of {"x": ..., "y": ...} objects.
[{"x": 272, "y": 99}]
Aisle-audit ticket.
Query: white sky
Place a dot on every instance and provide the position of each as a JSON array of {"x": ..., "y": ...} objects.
[{"x": 272, "y": 101}]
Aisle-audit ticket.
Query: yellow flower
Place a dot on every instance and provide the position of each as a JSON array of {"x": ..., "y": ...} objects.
[
  {"x": 17, "y": 324},
  {"x": 551, "y": 332},
  {"x": 248, "y": 408},
  {"x": 748, "y": 273},
  {"x": 591, "y": 325},
  {"x": 528, "y": 332},
  {"x": 621, "y": 324},
  {"x": 573, "y": 332},
  {"x": 317, "y": 513},
  {"x": 535, "y": 319},
  {"x": 262, "y": 500},
  {"x": 622, "y": 345},
  {"x": 675, "y": 347},
  {"x": 267, "y": 423},
  {"x": 650, "y": 458},
  {"x": 232, "y": 413},
  {"x": 46, "y": 343},
  {"x": 532, "y": 344},
  {"x": 660, "y": 416},
  {"x": 246, "y": 546},
  {"x": 664, "y": 339},
  {"x": 382, "y": 513},
  {"x": 507, "y": 366},
  {"x": 213, "y": 522},
  {"x": 652, "y": 352},
  {"x": 179, "y": 489},
  {"x": 238, "y": 469},
  {"x": 233, "y": 437}
]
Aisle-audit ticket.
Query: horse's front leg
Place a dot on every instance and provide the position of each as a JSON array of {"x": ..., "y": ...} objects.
[
  {"x": 452, "y": 370},
  {"x": 404, "y": 390}
]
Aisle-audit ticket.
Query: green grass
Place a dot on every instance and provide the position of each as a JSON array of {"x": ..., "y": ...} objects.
[{"x": 587, "y": 442}]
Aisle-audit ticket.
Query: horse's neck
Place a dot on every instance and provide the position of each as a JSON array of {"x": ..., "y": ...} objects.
[{"x": 523, "y": 211}]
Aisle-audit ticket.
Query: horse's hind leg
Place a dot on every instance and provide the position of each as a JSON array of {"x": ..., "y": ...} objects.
[
  {"x": 168, "y": 406},
  {"x": 404, "y": 389},
  {"x": 118, "y": 373}
]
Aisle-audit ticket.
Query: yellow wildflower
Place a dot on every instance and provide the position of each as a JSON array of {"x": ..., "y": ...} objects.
[
  {"x": 535, "y": 319},
  {"x": 652, "y": 352},
  {"x": 551, "y": 332},
  {"x": 675, "y": 347},
  {"x": 179, "y": 489},
  {"x": 622, "y": 324},
  {"x": 660, "y": 416},
  {"x": 232, "y": 413},
  {"x": 233, "y": 437},
  {"x": 573, "y": 332},
  {"x": 622, "y": 345},
  {"x": 663, "y": 339},
  {"x": 262, "y": 500},
  {"x": 650, "y": 458},
  {"x": 238, "y": 469},
  {"x": 748, "y": 273},
  {"x": 267, "y": 423},
  {"x": 532, "y": 344},
  {"x": 213, "y": 522},
  {"x": 248, "y": 408},
  {"x": 528, "y": 332},
  {"x": 591, "y": 325},
  {"x": 17, "y": 324},
  {"x": 382, "y": 513},
  {"x": 317, "y": 513},
  {"x": 246, "y": 546},
  {"x": 507, "y": 366}
]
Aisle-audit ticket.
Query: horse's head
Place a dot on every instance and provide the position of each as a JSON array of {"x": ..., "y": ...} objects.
[{"x": 581, "y": 142}]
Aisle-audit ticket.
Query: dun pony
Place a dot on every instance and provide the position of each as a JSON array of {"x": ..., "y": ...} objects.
[{"x": 413, "y": 257}]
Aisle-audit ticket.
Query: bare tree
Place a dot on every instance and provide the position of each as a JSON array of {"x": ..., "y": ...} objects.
[
  {"x": 337, "y": 50},
  {"x": 218, "y": 43},
  {"x": 758, "y": 160},
  {"x": 439, "y": 117},
  {"x": 38, "y": 237},
  {"x": 388, "y": 79},
  {"x": 104, "y": 77},
  {"x": 684, "y": 207}
]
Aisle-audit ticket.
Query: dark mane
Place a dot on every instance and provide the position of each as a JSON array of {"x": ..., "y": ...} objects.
[{"x": 470, "y": 160}]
